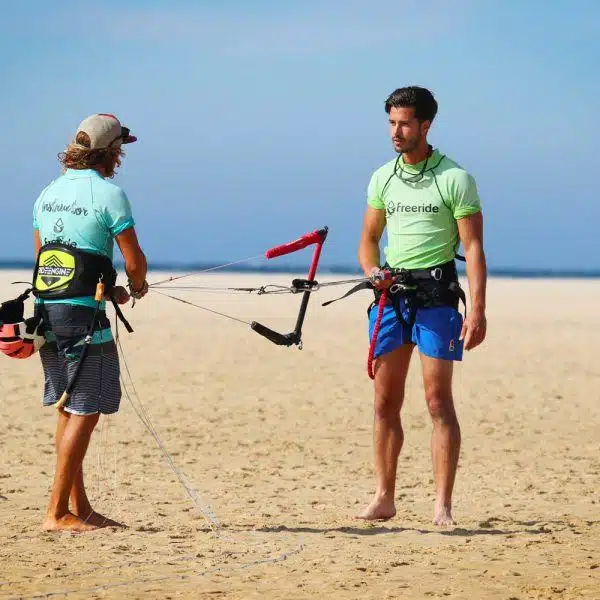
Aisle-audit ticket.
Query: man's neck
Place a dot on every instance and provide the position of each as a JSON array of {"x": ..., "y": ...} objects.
[{"x": 418, "y": 154}]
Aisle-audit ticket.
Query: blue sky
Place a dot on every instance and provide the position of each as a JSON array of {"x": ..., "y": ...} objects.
[{"x": 259, "y": 120}]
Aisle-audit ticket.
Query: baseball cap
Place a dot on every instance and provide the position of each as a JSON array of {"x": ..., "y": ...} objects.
[{"x": 105, "y": 131}]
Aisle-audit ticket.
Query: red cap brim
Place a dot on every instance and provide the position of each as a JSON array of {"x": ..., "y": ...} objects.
[{"x": 129, "y": 139}]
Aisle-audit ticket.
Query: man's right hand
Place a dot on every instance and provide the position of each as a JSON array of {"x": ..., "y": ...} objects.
[
  {"x": 379, "y": 278},
  {"x": 137, "y": 294}
]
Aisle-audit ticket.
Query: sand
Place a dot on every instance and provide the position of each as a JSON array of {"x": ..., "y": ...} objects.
[{"x": 278, "y": 443}]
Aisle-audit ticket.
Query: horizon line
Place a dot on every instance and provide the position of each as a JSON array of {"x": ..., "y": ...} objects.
[{"x": 176, "y": 266}]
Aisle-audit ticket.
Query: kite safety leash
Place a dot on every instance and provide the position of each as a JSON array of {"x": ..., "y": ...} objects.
[{"x": 380, "y": 309}]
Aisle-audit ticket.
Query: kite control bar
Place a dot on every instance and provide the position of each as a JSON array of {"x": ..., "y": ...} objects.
[{"x": 317, "y": 238}]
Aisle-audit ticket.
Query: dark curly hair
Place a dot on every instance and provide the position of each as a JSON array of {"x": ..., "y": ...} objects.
[{"x": 419, "y": 98}]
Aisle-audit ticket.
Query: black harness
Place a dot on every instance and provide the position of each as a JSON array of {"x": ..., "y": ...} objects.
[
  {"x": 424, "y": 288},
  {"x": 420, "y": 288},
  {"x": 63, "y": 272}
]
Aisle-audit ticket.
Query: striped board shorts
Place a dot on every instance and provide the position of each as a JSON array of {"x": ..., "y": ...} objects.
[{"x": 98, "y": 387}]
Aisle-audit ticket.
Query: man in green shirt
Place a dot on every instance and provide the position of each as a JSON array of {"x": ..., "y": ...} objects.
[{"x": 429, "y": 205}]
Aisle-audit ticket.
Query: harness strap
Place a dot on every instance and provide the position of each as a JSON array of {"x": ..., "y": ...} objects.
[
  {"x": 449, "y": 295},
  {"x": 444, "y": 272},
  {"x": 365, "y": 285},
  {"x": 121, "y": 316}
]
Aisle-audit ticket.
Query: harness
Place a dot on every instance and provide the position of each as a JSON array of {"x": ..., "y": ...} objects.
[
  {"x": 62, "y": 272},
  {"x": 422, "y": 288},
  {"x": 419, "y": 288}
]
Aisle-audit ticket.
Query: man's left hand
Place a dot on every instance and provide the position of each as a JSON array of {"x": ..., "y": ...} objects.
[{"x": 474, "y": 329}]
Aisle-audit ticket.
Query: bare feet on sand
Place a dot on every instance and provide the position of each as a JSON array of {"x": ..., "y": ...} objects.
[
  {"x": 68, "y": 522},
  {"x": 98, "y": 520},
  {"x": 443, "y": 516},
  {"x": 380, "y": 509}
]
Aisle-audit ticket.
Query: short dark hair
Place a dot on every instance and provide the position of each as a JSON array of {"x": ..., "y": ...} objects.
[{"x": 419, "y": 98}]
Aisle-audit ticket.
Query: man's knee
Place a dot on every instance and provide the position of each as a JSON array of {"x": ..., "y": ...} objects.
[
  {"x": 440, "y": 404},
  {"x": 388, "y": 404}
]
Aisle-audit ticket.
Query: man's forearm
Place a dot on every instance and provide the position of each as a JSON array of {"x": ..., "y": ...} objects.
[
  {"x": 137, "y": 271},
  {"x": 476, "y": 275},
  {"x": 368, "y": 255}
]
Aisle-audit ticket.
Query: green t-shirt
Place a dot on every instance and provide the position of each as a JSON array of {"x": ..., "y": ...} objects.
[{"x": 421, "y": 216}]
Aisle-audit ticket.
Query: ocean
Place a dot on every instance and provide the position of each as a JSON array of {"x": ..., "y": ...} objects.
[{"x": 283, "y": 267}]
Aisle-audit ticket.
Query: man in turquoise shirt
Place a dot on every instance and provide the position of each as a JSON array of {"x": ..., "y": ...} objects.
[{"x": 83, "y": 210}]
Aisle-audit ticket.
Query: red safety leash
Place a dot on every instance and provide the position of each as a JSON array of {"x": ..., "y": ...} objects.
[{"x": 380, "y": 308}]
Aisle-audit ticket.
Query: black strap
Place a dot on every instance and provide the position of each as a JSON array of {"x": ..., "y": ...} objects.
[
  {"x": 445, "y": 272},
  {"x": 365, "y": 285},
  {"x": 12, "y": 311},
  {"x": 460, "y": 293},
  {"x": 121, "y": 316}
]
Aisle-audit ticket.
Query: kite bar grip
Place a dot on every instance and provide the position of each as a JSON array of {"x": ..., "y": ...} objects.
[
  {"x": 315, "y": 237},
  {"x": 279, "y": 339},
  {"x": 63, "y": 400}
]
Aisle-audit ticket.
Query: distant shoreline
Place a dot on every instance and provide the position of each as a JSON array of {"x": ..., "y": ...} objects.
[{"x": 507, "y": 273}]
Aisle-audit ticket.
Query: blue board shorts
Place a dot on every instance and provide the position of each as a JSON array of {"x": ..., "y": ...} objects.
[{"x": 435, "y": 331}]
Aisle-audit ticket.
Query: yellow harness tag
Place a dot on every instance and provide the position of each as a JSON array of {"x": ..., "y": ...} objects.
[{"x": 56, "y": 270}]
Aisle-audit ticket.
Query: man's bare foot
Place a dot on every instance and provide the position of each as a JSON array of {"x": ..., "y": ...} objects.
[
  {"x": 379, "y": 509},
  {"x": 68, "y": 522},
  {"x": 443, "y": 516},
  {"x": 98, "y": 520}
]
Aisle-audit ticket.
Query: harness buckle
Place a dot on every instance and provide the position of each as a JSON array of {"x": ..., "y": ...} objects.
[
  {"x": 402, "y": 276},
  {"x": 399, "y": 287},
  {"x": 437, "y": 273}
]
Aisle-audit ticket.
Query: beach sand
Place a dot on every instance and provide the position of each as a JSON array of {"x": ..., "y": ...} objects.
[{"x": 278, "y": 442}]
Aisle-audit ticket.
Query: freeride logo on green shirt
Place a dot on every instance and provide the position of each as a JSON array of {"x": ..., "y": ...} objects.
[{"x": 393, "y": 207}]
